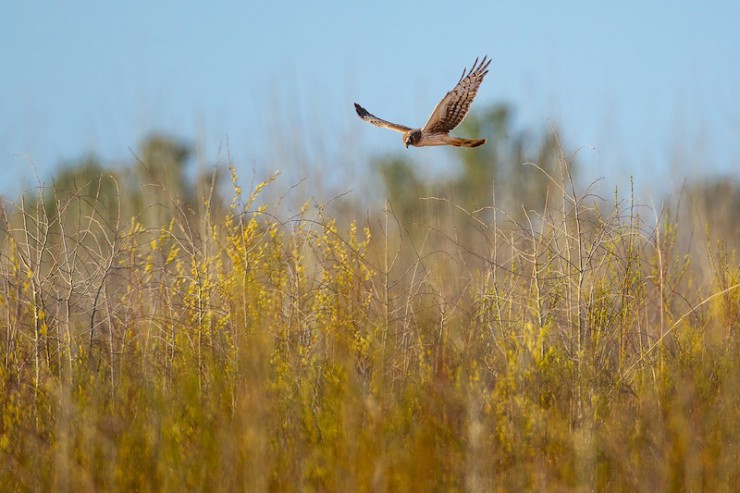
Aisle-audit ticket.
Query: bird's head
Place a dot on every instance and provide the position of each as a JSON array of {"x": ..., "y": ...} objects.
[{"x": 411, "y": 137}]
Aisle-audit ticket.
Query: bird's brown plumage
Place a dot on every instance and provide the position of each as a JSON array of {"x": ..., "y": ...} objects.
[{"x": 446, "y": 116}]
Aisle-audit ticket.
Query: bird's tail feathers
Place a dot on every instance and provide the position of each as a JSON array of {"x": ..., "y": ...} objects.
[{"x": 467, "y": 142}]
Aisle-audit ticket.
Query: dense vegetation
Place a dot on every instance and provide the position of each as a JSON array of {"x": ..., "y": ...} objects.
[{"x": 159, "y": 334}]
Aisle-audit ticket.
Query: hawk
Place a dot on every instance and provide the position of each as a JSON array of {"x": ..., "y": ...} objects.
[{"x": 446, "y": 116}]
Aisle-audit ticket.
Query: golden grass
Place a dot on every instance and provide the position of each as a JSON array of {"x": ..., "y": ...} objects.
[{"x": 230, "y": 350}]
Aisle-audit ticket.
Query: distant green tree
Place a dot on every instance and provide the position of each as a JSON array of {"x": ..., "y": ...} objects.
[
  {"x": 161, "y": 161},
  {"x": 160, "y": 169},
  {"x": 81, "y": 190},
  {"x": 509, "y": 161},
  {"x": 156, "y": 188},
  {"x": 709, "y": 206},
  {"x": 515, "y": 162},
  {"x": 403, "y": 187}
]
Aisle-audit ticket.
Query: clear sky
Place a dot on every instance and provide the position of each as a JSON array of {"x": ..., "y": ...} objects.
[{"x": 651, "y": 89}]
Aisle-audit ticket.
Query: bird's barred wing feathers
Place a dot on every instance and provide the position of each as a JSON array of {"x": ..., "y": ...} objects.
[
  {"x": 379, "y": 122},
  {"x": 455, "y": 105}
]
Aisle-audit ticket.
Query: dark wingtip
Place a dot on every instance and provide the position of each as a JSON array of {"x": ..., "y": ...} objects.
[
  {"x": 485, "y": 63},
  {"x": 479, "y": 69},
  {"x": 360, "y": 110}
]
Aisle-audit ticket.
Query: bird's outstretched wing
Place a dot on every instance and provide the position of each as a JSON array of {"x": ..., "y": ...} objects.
[
  {"x": 379, "y": 122},
  {"x": 455, "y": 105}
]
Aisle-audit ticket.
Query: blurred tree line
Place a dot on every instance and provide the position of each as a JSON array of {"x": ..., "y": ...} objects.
[
  {"x": 152, "y": 189},
  {"x": 511, "y": 169},
  {"x": 517, "y": 173}
]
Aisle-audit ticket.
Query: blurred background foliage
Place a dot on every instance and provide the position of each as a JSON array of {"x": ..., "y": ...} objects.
[{"x": 516, "y": 172}]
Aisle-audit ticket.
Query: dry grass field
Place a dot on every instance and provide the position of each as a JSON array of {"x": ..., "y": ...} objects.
[{"x": 154, "y": 343}]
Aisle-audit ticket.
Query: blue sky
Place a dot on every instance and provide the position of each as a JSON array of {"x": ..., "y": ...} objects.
[{"x": 649, "y": 89}]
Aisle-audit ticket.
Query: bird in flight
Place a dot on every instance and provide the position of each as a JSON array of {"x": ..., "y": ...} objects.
[{"x": 446, "y": 116}]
